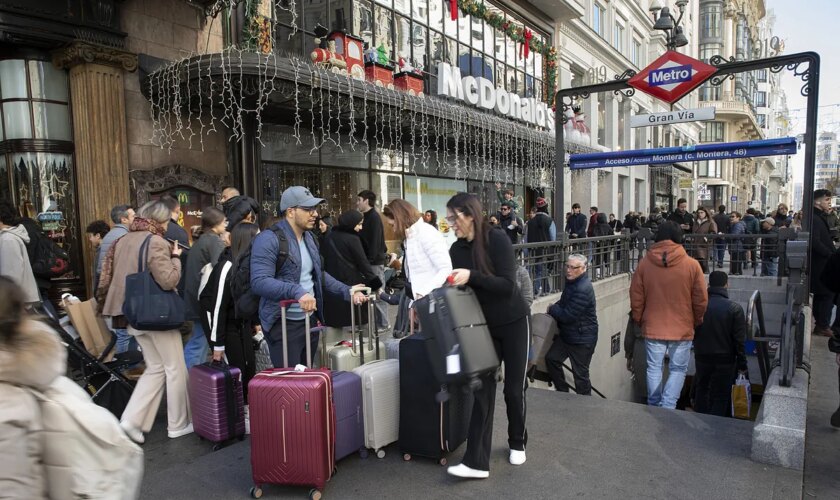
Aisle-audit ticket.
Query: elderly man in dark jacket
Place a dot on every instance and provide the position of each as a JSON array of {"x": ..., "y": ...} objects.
[
  {"x": 578, "y": 324},
  {"x": 718, "y": 348}
]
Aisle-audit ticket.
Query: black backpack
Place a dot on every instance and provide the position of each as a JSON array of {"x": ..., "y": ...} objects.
[
  {"x": 245, "y": 302},
  {"x": 48, "y": 260}
]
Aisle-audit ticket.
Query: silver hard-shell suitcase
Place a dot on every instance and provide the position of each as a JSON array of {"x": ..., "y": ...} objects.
[
  {"x": 381, "y": 403},
  {"x": 356, "y": 351}
]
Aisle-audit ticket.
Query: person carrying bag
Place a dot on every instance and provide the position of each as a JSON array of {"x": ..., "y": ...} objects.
[
  {"x": 139, "y": 280},
  {"x": 147, "y": 306}
]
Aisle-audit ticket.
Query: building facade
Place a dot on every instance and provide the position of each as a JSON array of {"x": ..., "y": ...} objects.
[
  {"x": 107, "y": 102},
  {"x": 603, "y": 41},
  {"x": 827, "y": 175},
  {"x": 731, "y": 30}
]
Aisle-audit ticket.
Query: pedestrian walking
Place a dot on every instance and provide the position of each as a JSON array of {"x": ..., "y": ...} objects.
[
  {"x": 719, "y": 349},
  {"x": 682, "y": 217},
  {"x": 821, "y": 248},
  {"x": 769, "y": 247},
  {"x": 14, "y": 257},
  {"x": 722, "y": 222},
  {"x": 96, "y": 232},
  {"x": 163, "y": 351},
  {"x": 704, "y": 225},
  {"x": 737, "y": 228},
  {"x": 668, "y": 298},
  {"x": 577, "y": 322},
  {"x": 373, "y": 236},
  {"x": 540, "y": 229},
  {"x": 576, "y": 224}
]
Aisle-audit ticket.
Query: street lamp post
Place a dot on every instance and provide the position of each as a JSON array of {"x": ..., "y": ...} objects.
[{"x": 664, "y": 21}]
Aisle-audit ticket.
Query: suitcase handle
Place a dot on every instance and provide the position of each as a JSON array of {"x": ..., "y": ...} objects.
[{"x": 284, "y": 304}]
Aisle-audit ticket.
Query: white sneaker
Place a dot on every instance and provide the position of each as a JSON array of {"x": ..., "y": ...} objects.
[
  {"x": 181, "y": 432},
  {"x": 133, "y": 433},
  {"x": 517, "y": 457},
  {"x": 465, "y": 472},
  {"x": 247, "y": 421}
]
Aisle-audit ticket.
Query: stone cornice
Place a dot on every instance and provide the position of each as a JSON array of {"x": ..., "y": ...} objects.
[{"x": 88, "y": 53}]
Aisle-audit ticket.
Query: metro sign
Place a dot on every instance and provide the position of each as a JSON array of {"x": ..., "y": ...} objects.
[{"x": 672, "y": 76}]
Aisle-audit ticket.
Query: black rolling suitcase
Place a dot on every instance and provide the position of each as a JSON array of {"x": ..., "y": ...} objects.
[
  {"x": 462, "y": 350},
  {"x": 428, "y": 428}
]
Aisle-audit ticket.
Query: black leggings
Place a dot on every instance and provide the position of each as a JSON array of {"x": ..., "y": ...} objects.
[
  {"x": 512, "y": 341},
  {"x": 239, "y": 350}
]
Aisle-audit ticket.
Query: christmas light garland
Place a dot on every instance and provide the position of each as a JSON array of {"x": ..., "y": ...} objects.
[{"x": 518, "y": 34}]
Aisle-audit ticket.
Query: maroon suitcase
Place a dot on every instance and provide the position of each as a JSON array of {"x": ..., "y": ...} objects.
[
  {"x": 217, "y": 403},
  {"x": 349, "y": 421},
  {"x": 292, "y": 426}
]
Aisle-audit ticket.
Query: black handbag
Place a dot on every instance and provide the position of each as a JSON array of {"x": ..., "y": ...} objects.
[{"x": 147, "y": 306}]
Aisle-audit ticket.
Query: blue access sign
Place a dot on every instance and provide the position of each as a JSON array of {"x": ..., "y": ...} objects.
[
  {"x": 700, "y": 152},
  {"x": 672, "y": 76}
]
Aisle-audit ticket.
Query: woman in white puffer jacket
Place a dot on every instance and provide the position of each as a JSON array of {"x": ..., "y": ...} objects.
[
  {"x": 426, "y": 262},
  {"x": 54, "y": 441}
]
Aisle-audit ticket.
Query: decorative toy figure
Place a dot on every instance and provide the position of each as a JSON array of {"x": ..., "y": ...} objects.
[
  {"x": 350, "y": 47},
  {"x": 328, "y": 57},
  {"x": 379, "y": 71},
  {"x": 406, "y": 79},
  {"x": 580, "y": 125},
  {"x": 571, "y": 133}
]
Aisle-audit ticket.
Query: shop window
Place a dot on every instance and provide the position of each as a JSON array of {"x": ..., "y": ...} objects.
[{"x": 37, "y": 170}]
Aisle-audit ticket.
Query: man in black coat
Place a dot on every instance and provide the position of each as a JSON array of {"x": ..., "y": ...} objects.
[
  {"x": 682, "y": 217},
  {"x": 578, "y": 324},
  {"x": 576, "y": 226},
  {"x": 822, "y": 248},
  {"x": 719, "y": 348},
  {"x": 722, "y": 222},
  {"x": 769, "y": 247},
  {"x": 373, "y": 237},
  {"x": 510, "y": 222}
]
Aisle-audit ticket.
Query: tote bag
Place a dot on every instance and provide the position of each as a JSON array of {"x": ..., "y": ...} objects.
[{"x": 147, "y": 306}]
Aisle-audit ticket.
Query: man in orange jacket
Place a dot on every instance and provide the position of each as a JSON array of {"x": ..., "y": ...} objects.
[{"x": 668, "y": 298}]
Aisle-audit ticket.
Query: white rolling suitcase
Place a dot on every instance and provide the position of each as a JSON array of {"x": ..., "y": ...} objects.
[{"x": 380, "y": 403}]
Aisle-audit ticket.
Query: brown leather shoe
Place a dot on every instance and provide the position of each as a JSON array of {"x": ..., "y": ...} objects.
[{"x": 823, "y": 331}]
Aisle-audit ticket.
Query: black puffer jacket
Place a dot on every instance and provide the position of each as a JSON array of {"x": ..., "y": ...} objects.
[
  {"x": 822, "y": 248},
  {"x": 575, "y": 313},
  {"x": 345, "y": 260},
  {"x": 721, "y": 336},
  {"x": 237, "y": 208}
]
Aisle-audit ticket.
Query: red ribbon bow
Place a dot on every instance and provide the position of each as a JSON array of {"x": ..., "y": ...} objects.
[
  {"x": 526, "y": 47},
  {"x": 453, "y": 9}
]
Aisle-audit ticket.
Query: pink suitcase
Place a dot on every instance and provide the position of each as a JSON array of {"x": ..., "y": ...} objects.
[
  {"x": 292, "y": 427},
  {"x": 215, "y": 391}
]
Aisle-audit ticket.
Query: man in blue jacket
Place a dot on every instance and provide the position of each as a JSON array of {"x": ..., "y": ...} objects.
[
  {"x": 576, "y": 225},
  {"x": 578, "y": 324},
  {"x": 299, "y": 277}
]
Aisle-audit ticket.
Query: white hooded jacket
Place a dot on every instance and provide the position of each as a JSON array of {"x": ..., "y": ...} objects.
[{"x": 14, "y": 261}]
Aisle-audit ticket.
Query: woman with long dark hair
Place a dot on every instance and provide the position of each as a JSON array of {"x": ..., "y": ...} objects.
[
  {"x": 228, "y": 335},
  {"x": 484, "y": 260}
]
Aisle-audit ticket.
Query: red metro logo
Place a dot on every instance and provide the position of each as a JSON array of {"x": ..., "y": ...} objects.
[{"x": 672, "y": 76}]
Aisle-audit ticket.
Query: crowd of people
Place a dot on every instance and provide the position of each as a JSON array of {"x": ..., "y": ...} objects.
[{"x": 236, "y": 272}]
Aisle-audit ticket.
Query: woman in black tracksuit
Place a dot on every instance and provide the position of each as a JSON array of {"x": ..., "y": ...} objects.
[
  {"x": 229, "y": 336},
  {"x": 483, "y": 259}
]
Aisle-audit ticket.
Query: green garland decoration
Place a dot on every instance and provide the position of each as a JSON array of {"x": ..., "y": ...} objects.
[{"x": 517, "y": 34}]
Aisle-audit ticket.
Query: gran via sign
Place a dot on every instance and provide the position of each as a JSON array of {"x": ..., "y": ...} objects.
[
  {"x": 681, "y": 116},
  {"x": 481, "y": 93}
]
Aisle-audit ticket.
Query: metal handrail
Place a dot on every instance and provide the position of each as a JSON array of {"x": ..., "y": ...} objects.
[{"x": 755, "y": 313}]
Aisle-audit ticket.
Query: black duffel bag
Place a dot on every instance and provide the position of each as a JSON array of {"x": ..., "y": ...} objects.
[{"x": 147, "y": 306}]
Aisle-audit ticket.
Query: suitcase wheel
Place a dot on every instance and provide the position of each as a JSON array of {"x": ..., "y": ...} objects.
[
  {"x": 363, "y": 453},
  {"x": 380, "y": 453},
  {"x": 217, "y": 446},
  {"x": 407, "y": 457},
  {"x": 256, "y": 492},
  {"x": 442, "y": 461},
  {"x": 314, "y": 494}
]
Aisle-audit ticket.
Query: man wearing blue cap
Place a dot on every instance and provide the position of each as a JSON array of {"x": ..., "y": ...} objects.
[{"x": 298, "y": 277}]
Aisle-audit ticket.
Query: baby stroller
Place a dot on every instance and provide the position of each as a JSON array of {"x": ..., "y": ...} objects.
[{"x": 104, "y": 380}]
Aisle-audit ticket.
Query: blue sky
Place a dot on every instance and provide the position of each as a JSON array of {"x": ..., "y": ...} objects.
[{"x": 811, "y": 25}]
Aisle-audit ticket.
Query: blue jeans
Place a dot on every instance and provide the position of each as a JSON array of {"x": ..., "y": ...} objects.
[
  {"x": 296, "y": 338},
  {"x": 720, "y": 250},
  {"x": 196, "y": 349},
  {"x": 125, "y": 342},
  {"x": 679, "y": 352},
  {"x": 770, "y": 266}
]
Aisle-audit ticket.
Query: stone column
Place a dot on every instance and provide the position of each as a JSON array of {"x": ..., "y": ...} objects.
[{"x": 97, "y": 97}]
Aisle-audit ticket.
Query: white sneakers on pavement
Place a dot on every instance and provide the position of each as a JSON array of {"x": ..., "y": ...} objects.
[
  {"x": 465, "y": 472},
  {"x": 517, "y": 457},
  {"x": 181, "y": 432},
  {"x": 133, "y": 433}
]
